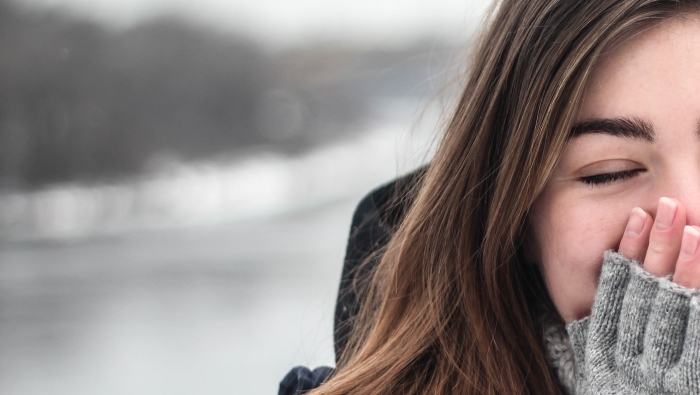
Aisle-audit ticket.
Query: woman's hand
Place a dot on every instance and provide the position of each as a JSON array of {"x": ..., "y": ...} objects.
[
  {"x": 643, "y": 333},
  {"x": 665, "y": 245}
]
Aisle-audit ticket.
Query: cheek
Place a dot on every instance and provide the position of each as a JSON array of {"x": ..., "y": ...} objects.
[{"x": 571, "y": 240}]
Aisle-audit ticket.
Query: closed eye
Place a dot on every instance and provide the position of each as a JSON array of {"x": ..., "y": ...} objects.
[{"x": 606, "y": 178}]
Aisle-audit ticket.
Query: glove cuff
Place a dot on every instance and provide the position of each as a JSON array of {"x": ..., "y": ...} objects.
[{"x": 643, "y": 332}]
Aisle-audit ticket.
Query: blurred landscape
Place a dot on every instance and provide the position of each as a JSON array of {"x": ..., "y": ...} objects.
[
  {"x": 175, "y": 199},
  {"x": 80, "y": 102}
]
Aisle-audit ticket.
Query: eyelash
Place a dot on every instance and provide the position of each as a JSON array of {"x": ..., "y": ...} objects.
[{"x": 606, "y": 178}]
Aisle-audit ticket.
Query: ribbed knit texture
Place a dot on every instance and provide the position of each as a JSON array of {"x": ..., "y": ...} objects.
[
  {"x": 642, "y": 337},
  {"x": 558, "y": 350}
]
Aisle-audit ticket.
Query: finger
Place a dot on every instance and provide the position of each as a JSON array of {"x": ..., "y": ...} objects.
[
  {"x": 687, "y": 271},
  {"x": 686, "y": 372},
  {"x": 602, "y": 328},
  {"x": 665, "y": 333},
  {"x": 636, "y": 307},
  {"x": 665, "y": 238},
  {"x": 635, "y": 241}
]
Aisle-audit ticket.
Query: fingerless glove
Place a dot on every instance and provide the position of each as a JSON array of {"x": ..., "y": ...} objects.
[{"x": 642, "y": 337}]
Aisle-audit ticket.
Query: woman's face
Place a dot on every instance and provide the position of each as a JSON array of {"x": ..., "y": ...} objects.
[{"x": 637, "y": 139}]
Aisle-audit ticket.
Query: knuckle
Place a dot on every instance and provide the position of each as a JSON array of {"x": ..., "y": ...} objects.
[{"x": 658, "y": 249}]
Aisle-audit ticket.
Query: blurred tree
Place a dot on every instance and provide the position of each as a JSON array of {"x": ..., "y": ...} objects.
[{"x": 78, "y": 102}]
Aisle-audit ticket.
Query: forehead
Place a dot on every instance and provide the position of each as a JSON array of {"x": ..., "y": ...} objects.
[{"x": 655, "y": 75}]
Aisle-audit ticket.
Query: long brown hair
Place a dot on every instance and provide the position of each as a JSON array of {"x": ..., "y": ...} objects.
[{"x": 449, "y": 308}]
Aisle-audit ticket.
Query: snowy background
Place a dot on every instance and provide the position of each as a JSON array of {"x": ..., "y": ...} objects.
[{"x": 200, "y": 259}]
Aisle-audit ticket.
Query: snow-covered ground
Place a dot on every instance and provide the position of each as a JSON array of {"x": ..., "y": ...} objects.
[
  {"x": 223, "y": 309},
  {"x": 210, "y": 278}
]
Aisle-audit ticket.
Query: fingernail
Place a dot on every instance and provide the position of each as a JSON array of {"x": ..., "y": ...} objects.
[
  {"x": 636, "y": 223},
  {"x": 689, "y": 244},
  {"x": 666, "y": 213}
]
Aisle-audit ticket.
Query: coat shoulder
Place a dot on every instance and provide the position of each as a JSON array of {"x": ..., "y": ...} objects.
[{"x": 376, "y": 218}]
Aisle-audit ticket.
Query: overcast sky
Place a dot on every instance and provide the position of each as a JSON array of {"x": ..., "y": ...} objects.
[{"x": 293, "y": 22}]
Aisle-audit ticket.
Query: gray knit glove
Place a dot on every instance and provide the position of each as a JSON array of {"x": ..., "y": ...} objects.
[{"x": 642, "y": 337}]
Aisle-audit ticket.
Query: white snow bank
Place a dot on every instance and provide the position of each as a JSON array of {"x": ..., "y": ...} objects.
[{"x": 211, "y": 192}]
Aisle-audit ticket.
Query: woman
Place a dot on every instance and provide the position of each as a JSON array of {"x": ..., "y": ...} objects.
[{"x": 577, "y": 133}]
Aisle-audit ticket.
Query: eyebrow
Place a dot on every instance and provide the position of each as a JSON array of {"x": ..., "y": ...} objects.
[{"x": 633, "y": 128}]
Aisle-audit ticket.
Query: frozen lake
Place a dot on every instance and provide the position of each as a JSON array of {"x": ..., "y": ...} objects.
[
  {"x": 209, "y": 278},
  {"x": 225, "y": 309}
]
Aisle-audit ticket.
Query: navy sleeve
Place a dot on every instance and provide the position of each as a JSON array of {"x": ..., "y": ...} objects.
[{"x": 300, "y": 380}]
